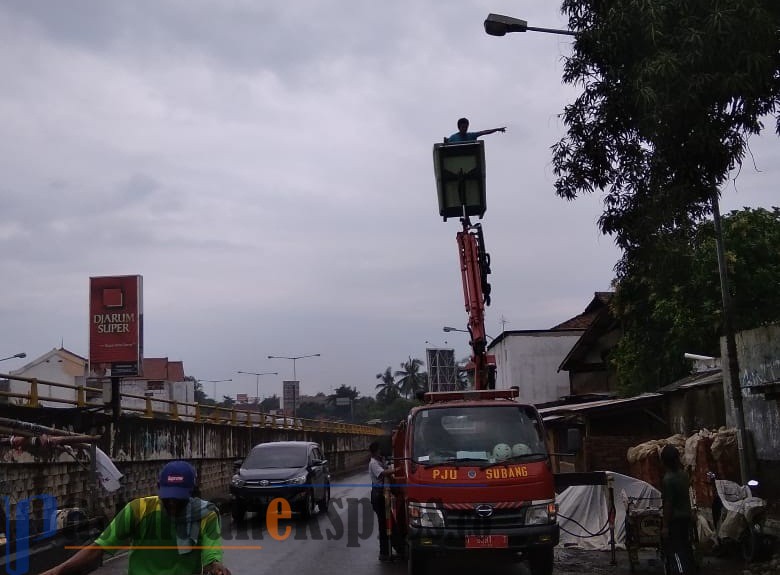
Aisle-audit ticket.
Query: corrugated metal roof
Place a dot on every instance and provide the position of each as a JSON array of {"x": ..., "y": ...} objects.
[
  {"x": 697, "y": 380},
  {"x": 597, "y": 405}
]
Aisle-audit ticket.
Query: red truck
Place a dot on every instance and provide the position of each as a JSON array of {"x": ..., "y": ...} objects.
[{"x": 472, "y": 472}]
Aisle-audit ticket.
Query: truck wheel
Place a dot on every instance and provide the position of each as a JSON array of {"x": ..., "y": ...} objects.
[
  {"x": 541, "y": 561},
  {"x": 415, "y": 562}
]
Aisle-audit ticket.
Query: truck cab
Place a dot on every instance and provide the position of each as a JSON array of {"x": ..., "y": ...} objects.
[{"x": 473, "y": 475}]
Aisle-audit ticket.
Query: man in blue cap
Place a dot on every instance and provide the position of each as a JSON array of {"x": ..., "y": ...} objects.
[{"x": 172, "y": 533}]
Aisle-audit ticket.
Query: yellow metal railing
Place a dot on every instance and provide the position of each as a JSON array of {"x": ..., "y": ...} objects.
[{"x": 216, "y": 414}]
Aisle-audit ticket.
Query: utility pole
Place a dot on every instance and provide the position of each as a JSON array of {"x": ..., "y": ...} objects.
[{"x": 731, "y": 342}]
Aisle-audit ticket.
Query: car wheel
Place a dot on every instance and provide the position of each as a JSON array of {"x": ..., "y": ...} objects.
[
  {"x": 238, "y": 512},
  {"x": 323, "y": 503},
  {"x": 416, "y": 561},
  {"x": 307, "y": 508},
  {"x": 541, "y": 561}
]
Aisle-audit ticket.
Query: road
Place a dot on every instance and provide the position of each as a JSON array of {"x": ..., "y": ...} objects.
[{"x": 344, "y": 542}]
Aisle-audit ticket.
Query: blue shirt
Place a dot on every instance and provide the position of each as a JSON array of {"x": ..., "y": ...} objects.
[{"x": 457, "y": 137}]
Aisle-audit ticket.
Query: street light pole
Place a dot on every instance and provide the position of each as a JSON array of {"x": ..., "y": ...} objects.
[
  {"x": 294, "y": 359},
  {"x": 447, "y": 328},
  {"x": 257, "y": 381},
  {"x": 499, "y": 25},
  {"x": 21, "y": 355},
  {"x": 215, "y": 382}
]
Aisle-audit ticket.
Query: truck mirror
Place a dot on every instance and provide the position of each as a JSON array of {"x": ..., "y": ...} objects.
[{"x": 573, "y": 439}]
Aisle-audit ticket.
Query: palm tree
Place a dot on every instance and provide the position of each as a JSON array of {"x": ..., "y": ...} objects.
[
  {"x": 411, "y": 379},
  {"x": 388, "y": 390}
]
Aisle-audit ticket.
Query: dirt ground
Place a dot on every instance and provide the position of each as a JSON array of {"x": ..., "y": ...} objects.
[{"x": 576, "y": 561}]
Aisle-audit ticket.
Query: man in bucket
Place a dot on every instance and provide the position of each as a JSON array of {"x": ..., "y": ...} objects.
[{"x": 172, "y": 533}]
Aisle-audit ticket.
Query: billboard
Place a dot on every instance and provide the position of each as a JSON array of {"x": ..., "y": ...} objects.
[
  {"x": 116, "y": 326},
  {"x": 291, "y": 393},
  {"x": 442, "y": 370}
]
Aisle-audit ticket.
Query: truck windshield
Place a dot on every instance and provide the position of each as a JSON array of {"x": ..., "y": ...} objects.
[{"x": 486, "y": 433}]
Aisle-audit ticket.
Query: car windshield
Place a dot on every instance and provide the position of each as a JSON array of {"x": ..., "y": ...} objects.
[
  {"x": 276, "y": 456},
  {"x": 472, "y": 434}
]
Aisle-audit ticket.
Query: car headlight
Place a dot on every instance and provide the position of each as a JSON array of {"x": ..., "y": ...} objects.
[
  {"x": 541, "y": 514},
  {"x": 237, "y": 481},
  {"x": 425, "y": 515},
  {"x": 298, "y": 479}
]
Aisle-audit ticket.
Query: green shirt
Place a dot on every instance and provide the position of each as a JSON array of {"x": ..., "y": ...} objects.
[
  {"x": 675, "y": 487},
  {"x": 143, "y": 523}
]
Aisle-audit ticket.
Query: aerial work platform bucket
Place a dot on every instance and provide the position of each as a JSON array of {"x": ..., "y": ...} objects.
[{"x": 460, "y": 178}]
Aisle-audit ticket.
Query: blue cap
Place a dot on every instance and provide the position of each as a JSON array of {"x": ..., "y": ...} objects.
[{"x": 177, "y": 480}]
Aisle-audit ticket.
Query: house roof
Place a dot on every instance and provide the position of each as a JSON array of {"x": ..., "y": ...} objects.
[
  {"x": 160, "y": 369},
  {"x": 601, "y": 322},
  {"x": 703, "y": 379},
  {"x": 60, "y": 352},
  {"x": 533, "y": 333},
  {"x": 600, "y": 300},
  {"x": 635, "y": 402}
]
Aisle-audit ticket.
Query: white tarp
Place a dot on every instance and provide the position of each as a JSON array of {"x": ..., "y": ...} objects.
[
  {"x": 107, "y": 472},
  {"x": 740, "y": 506},
  {"x": 588, "y": 506}
]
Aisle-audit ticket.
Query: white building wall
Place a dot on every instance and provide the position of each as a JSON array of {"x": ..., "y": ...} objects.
[
  {"x": 55, "y": 369},
  {"x": 530, "y": 360}
]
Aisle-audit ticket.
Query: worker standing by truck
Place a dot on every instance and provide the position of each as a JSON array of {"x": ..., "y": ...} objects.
[{"x": 378, "y": 471}]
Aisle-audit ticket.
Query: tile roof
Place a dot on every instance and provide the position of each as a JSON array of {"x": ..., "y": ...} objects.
[{"x": 600, "y": 300}]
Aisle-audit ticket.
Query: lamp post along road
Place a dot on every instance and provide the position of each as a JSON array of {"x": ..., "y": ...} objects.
[
  {"x": 500, "y": 25},
  {"x": 215, "y": 382},
  {"x": 257, "y": 381},
  {"x": 21, "y": 355},
  {"x": 294, "y": 359}
]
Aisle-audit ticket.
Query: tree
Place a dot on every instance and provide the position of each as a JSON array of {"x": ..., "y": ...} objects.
[
  {"x": 671, "y": 92},
  {"x": 387, "y": 390},
  {"x": 411, "y": 380},
  {"x": 270, "y": 403},
  {"x": 200, "y": 395},
  {"x": 668, "y": 300}
]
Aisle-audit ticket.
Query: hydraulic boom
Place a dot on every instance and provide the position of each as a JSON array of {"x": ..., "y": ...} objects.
[{"x": 475, "y": 267}]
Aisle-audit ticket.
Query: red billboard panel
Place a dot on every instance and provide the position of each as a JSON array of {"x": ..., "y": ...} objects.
[{"x": 116, "y": 325}]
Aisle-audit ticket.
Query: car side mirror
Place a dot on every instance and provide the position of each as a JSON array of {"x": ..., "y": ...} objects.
[
  {"x": 317, "y": 462},
  {"x": 237, "y": 465}
]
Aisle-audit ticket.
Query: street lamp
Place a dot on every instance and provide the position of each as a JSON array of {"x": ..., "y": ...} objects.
[
  {"x": 21, "y": 355},
  {"x": 215, "y": 382},
  {"x": 257, "y": 383},
  {"x": 294, "y": 359},
  {"x": 448, "y": 329},
  {"x": 499, "y": 25}
]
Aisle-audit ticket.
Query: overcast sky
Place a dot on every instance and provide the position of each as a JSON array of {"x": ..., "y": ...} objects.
[{"x": 267, "y": 168}]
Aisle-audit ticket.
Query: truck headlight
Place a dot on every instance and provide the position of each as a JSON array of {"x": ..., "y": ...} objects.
[
  {"x": 425, "y": 515},
  {"x": 237, "y": 481},
  {"x": 541, "y": 514}
]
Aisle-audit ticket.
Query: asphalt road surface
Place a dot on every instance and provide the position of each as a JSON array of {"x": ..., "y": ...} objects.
[{"x": 344, "y": 542}]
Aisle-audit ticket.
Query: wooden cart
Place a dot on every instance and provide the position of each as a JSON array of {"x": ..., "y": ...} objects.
[{"x": 643, "y": 529}]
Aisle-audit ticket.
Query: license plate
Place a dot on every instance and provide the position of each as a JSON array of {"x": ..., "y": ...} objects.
[{"x": 486, "y": 541}]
